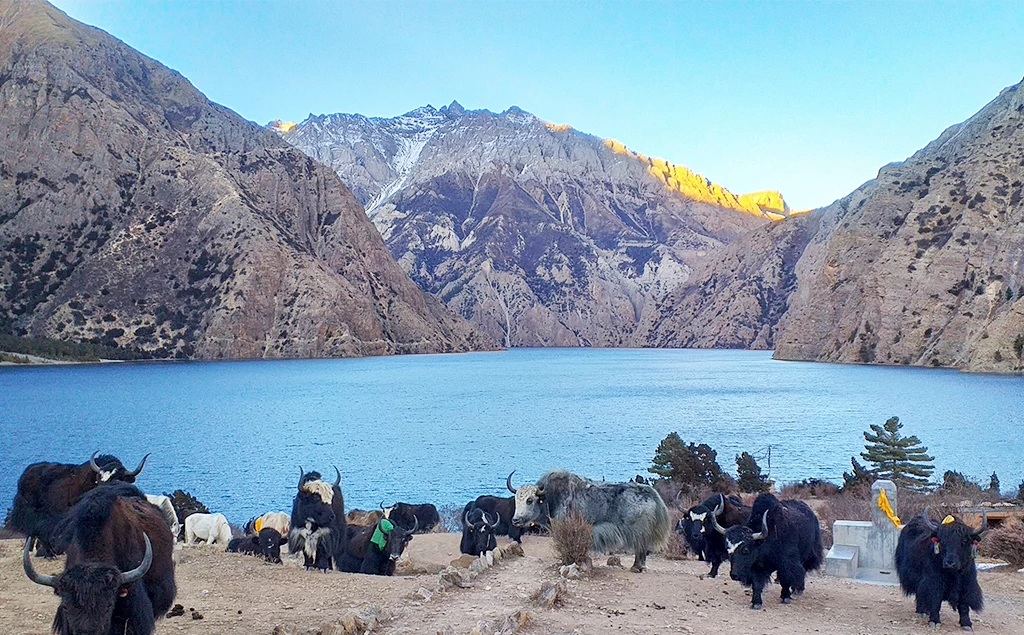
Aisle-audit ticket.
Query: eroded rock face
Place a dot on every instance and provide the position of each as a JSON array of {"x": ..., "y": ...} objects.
[
  {"x": 136, "y": 213},
  {"x": 923, "y": 265},
  {"x": 539, "y": 234}
]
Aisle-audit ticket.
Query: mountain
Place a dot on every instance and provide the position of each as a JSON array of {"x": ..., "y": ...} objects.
[
  {"x": 136, "y": 213},
  {"x": 538, "y": 233},
  {"x": 925, "y": 264}
]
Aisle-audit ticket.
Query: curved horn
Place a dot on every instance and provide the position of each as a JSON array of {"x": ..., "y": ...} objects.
[
  {"x": 465, "y": 520},
  {"x": 139, "y": 469},
  {"x": 931, "y": 523},
  {"x": 382, "y": 510},
  {"x": 508, "y": 483},
  {"x": 714, "y": 523},
  {"x": 128, "y": 577},
  {"x": 337, "y": 481},
  {"x": 415, "y": 525},
  {"x": 496, "y": 523},
  {"x": 761, "y": 535},
  {"x": 38, "y": 578},
  {"x": 720, "y": 507},
  {"x": 676, "y": 501},
  {"x": 302, "y": 474},
  {"x": 92, "y": 462}
]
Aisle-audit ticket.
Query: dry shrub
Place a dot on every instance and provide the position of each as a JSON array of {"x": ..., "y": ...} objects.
[
  {"x": 1006, "y": 542},
  {"x": 841, "y": 507},
  {"x": 451, "y": 518},
  {"x": 809, "y": 488},
  {"x": 572, "y": 535}
]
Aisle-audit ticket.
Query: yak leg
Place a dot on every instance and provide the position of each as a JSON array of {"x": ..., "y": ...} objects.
[
  {"x": 755, "y": 593},
  {"x": 716, "y": 561},
  {"x": 639, "y": 561},
  {"x": 929, "y": 600},
  {"x": 964, "y": 609},
  {"x": 791, "y": 577}
]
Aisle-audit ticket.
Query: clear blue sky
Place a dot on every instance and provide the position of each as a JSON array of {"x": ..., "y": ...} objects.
[{"x": 809, "y": 98}]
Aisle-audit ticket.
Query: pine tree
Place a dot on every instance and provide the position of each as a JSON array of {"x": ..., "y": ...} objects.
[
  {"x": 903, "y": 460},
  {"x": 860, "y": 478},
  {"x": 689, "y": 465},
  {"x": 749, "y": 475},
  {"x": 993, "y": 483}
]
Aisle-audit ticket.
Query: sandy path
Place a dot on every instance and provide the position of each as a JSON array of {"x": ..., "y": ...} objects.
[{"x": 238, "y": 594}]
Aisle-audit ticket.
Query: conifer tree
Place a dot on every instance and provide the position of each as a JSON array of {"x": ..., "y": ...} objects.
[
  {"x": 903, "y": 460},
  {"x": 750, "y": 479},
  {"x": 689, "y": 465},
  {"x": 861, "y": 477}
]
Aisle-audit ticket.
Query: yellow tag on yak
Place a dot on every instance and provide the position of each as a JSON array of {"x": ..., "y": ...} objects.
[
  {"x": 259, "y": 524},
  {"x": 883, "y": 504},
  {"x": 948, "y": 520}
]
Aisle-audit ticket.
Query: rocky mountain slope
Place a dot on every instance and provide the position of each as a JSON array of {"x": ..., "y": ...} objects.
[
  {"x": 134, "y": 212},
  {"x": 538, "y": 233},
  {"x": 925, "y": 264}
]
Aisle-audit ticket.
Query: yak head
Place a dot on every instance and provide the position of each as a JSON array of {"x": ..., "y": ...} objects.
[
  {"x": 953, "y": 542},
  {"x": 697, "y": 515},
  {"x": 270, "y": 541},
  {"x": 109, "y": 468},
  {"x": 743, "y": 544},
  {"x": 312, "y": 505},
  {"x": 530, "y": 508},
  {"x": 88, "y": 592},
  {"x": 392, "y": 539},
  {"x": 478, "y": 532},
  {"x": 692, "y": 532}
]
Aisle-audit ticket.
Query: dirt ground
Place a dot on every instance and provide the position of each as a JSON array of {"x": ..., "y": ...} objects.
[{"x": 238, "y": 594}]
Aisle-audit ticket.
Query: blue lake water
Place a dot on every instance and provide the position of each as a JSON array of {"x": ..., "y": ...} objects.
[{"x": 446, "y": 428}]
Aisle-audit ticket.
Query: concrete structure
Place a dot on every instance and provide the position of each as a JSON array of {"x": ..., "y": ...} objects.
[{"x": 864, "y": 550}]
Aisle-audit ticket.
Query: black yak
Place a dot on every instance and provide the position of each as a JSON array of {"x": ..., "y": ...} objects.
[
  {"x": 375, "y": 550},
  {"x": 691, "y": 532},
  {"x": 46, "y": 491},
  {"x": 404, "y": 514},
  {"x": 315, "y": 513},
  {"x": 786, "y": 541},
  {"x": 935, "y": 562},
  {"x": 266, "y": 544},
  {"x": 624, "y": 515},
  {"x": 724, "y": 512},
  {"x": 478, "y": 532},
  {"x": 505, "y": 507},
  {"x": 119, "y": 576}
]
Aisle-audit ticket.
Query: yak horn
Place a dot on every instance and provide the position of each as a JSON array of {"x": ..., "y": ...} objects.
[
  {"x": 337, "y": 481},
  {"x": 676, "y": 501},
  {"x": 714, "y": 523},
  {"x": 761, "y": 535},
  {"x": 382, "y": 510},
  {"x": 302, "y": 475},
  {"x": 931, "y": 523},
  {"x": 92, "y": 463},
  {"x": 38, "y": 578},
  {"x": 415, "y": 525},
  {"x": 465, "y": 520},
  {"x": 131, "y": 576},
  {"x": 496, "y": 523},
  {"x": 139, "y": 469},
  {"x": 508, "y": 483},
  {"x": 720, "y": 507}
]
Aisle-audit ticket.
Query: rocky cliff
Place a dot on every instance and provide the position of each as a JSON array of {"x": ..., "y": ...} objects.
[
  {"x": 136, "y": 213},
  {"x": 538, "y": 233},
  {"x": 923, "y": 265}
]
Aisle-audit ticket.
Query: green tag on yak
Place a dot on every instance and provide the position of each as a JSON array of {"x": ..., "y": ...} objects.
[{"x": 383, "y": 527}]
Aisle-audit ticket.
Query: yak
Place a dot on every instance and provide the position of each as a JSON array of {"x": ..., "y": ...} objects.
[
  {"x": 266, "y": 544},
  {"x": 786, "y": 541},
  {"x": 119, "y": 575},
  {"x": 163, "y": 503},
  {"x": 721, "y": 511},
  {"x": 274, "y": 520},
  {"x": 935, "y": 562},
  {"x": 375, "y": 550},
  {"x": 46, "y": 491},
  {"x": 478, "y": 533},
  {"x": 318, "y": 527},
  {"x": 404, "y": 514},
  {"x": 691, "y": 532},
  {"x": 363, "y": 518},
  {"x": 624, "y": 515},
  {"x": 497, "y": 506},
  {"x": 211, "y": 528}
]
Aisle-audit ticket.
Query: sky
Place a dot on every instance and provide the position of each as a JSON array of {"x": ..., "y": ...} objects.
[{"x": 808, "y": 98}]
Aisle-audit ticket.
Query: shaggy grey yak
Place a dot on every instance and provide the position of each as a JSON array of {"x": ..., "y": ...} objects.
[{"x": 624, "y": 515}]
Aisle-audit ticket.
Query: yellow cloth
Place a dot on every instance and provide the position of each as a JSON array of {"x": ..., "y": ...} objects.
[
  {"x": 883, "y": 504},
  {"x": 948, "y": 520},
  {"x": 259, "y": 524}
]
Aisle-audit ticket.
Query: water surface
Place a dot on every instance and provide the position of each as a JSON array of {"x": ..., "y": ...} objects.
[{"x": 446, "y": 428}]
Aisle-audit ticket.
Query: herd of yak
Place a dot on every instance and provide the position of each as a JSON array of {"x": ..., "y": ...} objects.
[{"x": 119, "y": 573}]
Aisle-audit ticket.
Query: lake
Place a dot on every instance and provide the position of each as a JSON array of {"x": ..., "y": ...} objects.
[{"x": 446, "y": 428}]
